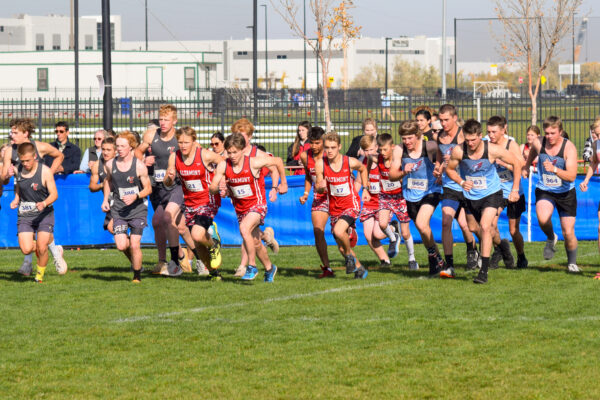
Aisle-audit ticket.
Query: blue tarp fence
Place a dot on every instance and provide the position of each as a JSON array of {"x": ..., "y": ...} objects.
[{"x": 79, "y": 218}]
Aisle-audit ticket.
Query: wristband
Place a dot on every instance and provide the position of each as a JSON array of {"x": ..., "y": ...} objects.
[
  {"x": 306, "y": 193},
  {"x": 461, "y": 183},
  {"x": 44, "y": 203},
  {"x": 516, "y": 191},
  {"x": 555, "y": 169}
]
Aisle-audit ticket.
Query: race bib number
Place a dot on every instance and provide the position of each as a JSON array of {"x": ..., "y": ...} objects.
[
  {"x": 389, "y": 186},
  {"x": 418, "y": 184},
  {"x": 127, "y": 191},
  {"x": 159, "y": 175},
  {"x": 242, "y": 191},
  {"x": 374, "y": 187},
  {"x": 506, "y": 175},
  {"x": 194, "y": 186},
  {"x": 479, "y": 182},
  {"x": 27, "y": 207},
  {"x": 342, "y": 190},
  {"x": 551, "y": 180}
]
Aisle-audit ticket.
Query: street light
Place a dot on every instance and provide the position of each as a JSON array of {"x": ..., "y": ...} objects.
[
  {"x": 304, "y": 46},
  {"x": 386, "y": 64},
  {"x": 266, "y": 51}
]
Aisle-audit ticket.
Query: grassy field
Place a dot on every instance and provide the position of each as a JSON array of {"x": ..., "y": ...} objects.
[{"x": 530, "y": 334}]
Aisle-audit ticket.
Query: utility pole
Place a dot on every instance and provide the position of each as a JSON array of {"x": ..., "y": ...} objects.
[
  {"x": 76, "y": 63},
  {"x": 444, "y": 49},
  {"x": 386, "y": 65},
  {"x": 107, "y": 118},
  {"x": 266, "y": 51},
  {"x": 255, "y": 61},
  {"x": 146, "y": 9},
  {"x": 305, "y": 47}
]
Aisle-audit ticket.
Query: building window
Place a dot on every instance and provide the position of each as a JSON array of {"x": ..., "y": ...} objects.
[
  {"x": 39, "y": 41},
  {"x": 1, "y": 28},
  {"x": 42, "y": 79},
  {"x": 189, "y": 76},
  {"x": 99, "y": 34},
  {"x": 242, "y": 53},
  {"x": 89, "y": 42},
  {"x": 281, "y": 56},
  {"x": 56, "y": 41}
]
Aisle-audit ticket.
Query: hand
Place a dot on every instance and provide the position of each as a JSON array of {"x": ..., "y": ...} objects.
[
  {"x": 303, "y": 198},
  {"x": 105, "y": 206},
  {"x": 408, "y": 168},
  {"x": 273, "y": 195},
  {"x": 548, "y": 166},
  {"x": 525, "y": 172},
  {"x": 171, "y": 174},
  {"x": 40, "y": 206},
  {"x": 437, "y": 172},
  {"x": 149, "y": 161},
  {"x": 11, "y": 170},
  {"x": 366, "y": 196},
  {"x": 467, "y": 185},
  {"x": 583, "y": 186},
  {"x": 128, "y": 199},
  {"x": 513, "y": 197},
  {"x": 79, "y": 172},
  {"x": 14, "y": 204},
  {"x": 282, "y": 188},
  {"x": 60, "y": 169},
  {"x": 90, "y": 164}
]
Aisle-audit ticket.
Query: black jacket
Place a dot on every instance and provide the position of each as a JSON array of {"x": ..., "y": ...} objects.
[
  {"x": 354, "y": 147},
  {"x": 72, "y": 159}
]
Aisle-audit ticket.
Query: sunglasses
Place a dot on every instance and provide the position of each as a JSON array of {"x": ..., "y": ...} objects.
[
  {"x": 215, "y": 143},
  {"x": 57, "y": 131},
  {"x": 97, "y": 138}
]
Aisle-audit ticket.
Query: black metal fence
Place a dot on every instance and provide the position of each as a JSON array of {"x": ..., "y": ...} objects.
[{"x": 278, "y": 113}]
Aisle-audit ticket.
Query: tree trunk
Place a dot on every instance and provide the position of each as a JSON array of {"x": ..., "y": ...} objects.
[
  {"x": 325, "y": 72},
  {"x": 533, "y": 110}
]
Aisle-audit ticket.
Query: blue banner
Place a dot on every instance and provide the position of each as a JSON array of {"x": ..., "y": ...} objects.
[{"x": 79, "y": 218}]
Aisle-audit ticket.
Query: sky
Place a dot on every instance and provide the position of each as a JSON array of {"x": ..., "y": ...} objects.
[{"x": 228, "y": 19}]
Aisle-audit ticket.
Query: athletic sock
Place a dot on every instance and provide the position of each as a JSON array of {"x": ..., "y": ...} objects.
[
  {"x": 197, "y": 254},
  {"x": 521, "y": 256},
  {"x": 53, "y": 249},
  {"x": 485, "y": 264},
  {"x": 410, "y": 248},
  {"x": 450, "y": 260},
  {"x": 431, "y": 251},
  {"x": 28, "y": 258},
  {"x": 137, "y": 275},
  {"x": 39, "y": 276},
  {"x": 174, "y": 254},
  {"x": 389, "y": 232},
  {"x": 471, "y": 246},
  {"x": 572, "y": 256}
]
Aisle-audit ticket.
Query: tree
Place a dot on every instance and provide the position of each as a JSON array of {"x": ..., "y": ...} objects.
[
  {"x": 590, "y": 73},
  {"x": 335, "y": 30},
  {"x": 531, "y": 26}
]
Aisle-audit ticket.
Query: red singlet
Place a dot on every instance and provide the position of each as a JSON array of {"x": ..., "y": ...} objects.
[
  {"x": 195, "y": 180},
  {"x": 387, "y": 186},
  {"x": 340, "y": 188},
  {"x": 246, "y": 190}
]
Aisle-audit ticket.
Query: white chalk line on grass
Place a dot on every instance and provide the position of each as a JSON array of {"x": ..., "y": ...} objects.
[{"x": 247, "y": 303}]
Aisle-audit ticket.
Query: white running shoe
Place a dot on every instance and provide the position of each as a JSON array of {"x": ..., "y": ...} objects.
[
  {"x": 201, "y": 268},
  {"x": 550, "y": 248},
  {"x": 26, "y": 268},
  {"x": 240, "y": 271},
  {"x": 573, "y": 269},
  {"x": 172, "y": 269},
  {"x": 59, "y": 262}
]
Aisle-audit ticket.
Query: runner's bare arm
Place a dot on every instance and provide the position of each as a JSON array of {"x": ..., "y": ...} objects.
[
  {"x": 106, "y": 186},
  {"x": 364, "y": 176},
  {"x": 396, "y": 172},
  {"x": 142, "y": 172},
  {"x": 512, "y": 161},
  {"x": 451, "y": 171},
  {"x": 257, "y": 163},
  {"x": 568, "y": 174},
  {"x": 146, "y": 142},
  {"x": 219, "y": 174},
  {"x": 15, "y": 203},
  {"x": 307, "y": 178},
  {"x": 591, "y": 169},
  {"x": 321, "y": 185},
  {"x": 48, "y": 181},
  {"x": 94, "y": 177},
  {"x": 534, "y": 150},
  {"x": 171, "y": 172},
  {"x": 46, "y": 149}
]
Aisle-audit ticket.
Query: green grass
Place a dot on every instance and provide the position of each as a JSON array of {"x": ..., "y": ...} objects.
[{"x": 529, "y": 334}]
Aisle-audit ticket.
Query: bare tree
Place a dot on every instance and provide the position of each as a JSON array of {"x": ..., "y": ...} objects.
[
  {"x": 335, "y": 30},
  {"x": 531, "y": 26}
]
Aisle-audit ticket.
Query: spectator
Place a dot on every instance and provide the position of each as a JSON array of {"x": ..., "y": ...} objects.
[
  {"x": 92, "y": 153},
  {"x": 423, "y": 118},
  {"x": 369, "y": 127},
  {"x": 594, "y": 135},
  {"x": 217, "y": 145},
  {"x": 71, "y": 152},
  {"x": 533, "y": 132},
  {"x": 299, "y": 146}
]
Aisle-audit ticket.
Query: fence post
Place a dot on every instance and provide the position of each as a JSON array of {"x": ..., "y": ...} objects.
[
  {"x": 221, "y": 105},
  {"x": 40, "y": 118},
  {"x": 410, "y": 102},
  {"x": 506, "y": 104},
  {"x": 130, "y": 111},
  {"x": 316, "y": 100}
]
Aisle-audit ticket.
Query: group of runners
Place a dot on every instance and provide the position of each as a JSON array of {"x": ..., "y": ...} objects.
[{"x": 473, "y": 177}]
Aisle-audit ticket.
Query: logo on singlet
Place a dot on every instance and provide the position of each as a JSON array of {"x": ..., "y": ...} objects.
[
  {"x": 130, "y": 179},
  {"x": 34, "y": 186},
  {"x": 477, "y": 166},
  {"x": 171, "y": 149},
  {"x": 554, "y": 161},
  {"x": 418, "y": 164}
]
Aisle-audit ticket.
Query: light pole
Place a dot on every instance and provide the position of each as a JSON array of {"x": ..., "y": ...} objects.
[
  {"x": 254, "y": 61},
  {"x": 107, "y": 117},
  {"x": 304, "y": 46},
  {"x": 146, "y": 10},
  {"x": 386, "y": 64},
  {"x": 266, "y": 51},
  {"x": 444, "y": 49}
]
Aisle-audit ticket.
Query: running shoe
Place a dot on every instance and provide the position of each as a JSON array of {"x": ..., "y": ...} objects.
[
  {"x": 481, "y": 277},
  {"x": 385, "y": 264},
  {"x": 201, "y": 268},
  {"x": 215, "y": 255},
  {"x": 361, "y": 273},
  {"x": 250, "y": 274},
  {"x": 184, "y": 263},
  {"x": 215, "y": 275},
  {"x": 447, "y": 273},
  {"x": 522, "y": 262},
  {"x": 472, "y": 259},
  {"x": 270, "y": 274},
  {"x": 353, "y": 236},
  {"x": 327, "y": 273},
  {"x": 173, "y": 269},
  {"x": 495, "y": 258},
  {"x": 240, "y": 271},
  {"x": 213, "y": 231},
  {"x": 26, "y": 268},
  {"x": 396, "y": 226},
  {"x": 573, "y": 269},
  {"x": 550, "y": 248},
  {"x": 350, "y": 264},
  {"x": 597, "y": 277},
  {"x": 507, "y": 257},
  {"x": 394, "y": 246},
  {"x": 436, "y": 265},
  {"x": 413, "y": 265},
  {"x": 159, "y": 268},
  {"x": 136, "y": 280},
  {"x": 59, "y": 262},
  {"x": 269, "y": 239}
]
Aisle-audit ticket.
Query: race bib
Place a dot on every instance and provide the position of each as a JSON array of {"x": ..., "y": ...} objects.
[
  {"x": 27, "y": 207},
  {"x": 479, "y": 182},
  {"x": 418, "y": 184},
  {"x": 241, "y": 192},
  {"x": 342, "y": 190},
  {"x": 374, "y": 187},
  {"x": 389, "y": 186},
  {"x": 506, "y": 175},
  {"x": 194, "y": 186},
  {"x": 159, "y": 175},
  {"x": 126, "y": 191},
  {"x": 551, "y": 180}
]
